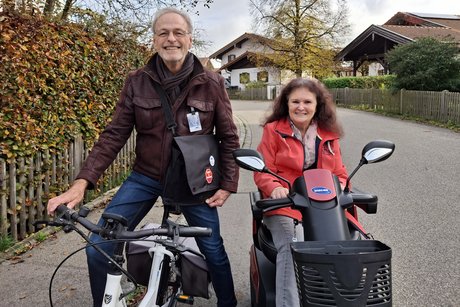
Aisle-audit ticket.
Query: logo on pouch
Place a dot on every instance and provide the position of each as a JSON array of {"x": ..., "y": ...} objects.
[
  {"x": 208, "y": 175},
  {"x": 211, "y": 160},
  {"x": 321, "y": 190}
]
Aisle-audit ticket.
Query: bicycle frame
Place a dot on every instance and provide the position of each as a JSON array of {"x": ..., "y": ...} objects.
[
  {"x": 113, "y": 286},
  {"x": 113, "y": 291},
  {"x": 158, "y": 253}
]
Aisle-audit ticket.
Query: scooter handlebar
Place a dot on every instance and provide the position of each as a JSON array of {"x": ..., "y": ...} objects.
[{"x": 367, "y": 202}]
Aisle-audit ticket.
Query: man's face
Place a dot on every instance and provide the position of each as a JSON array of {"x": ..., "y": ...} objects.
[{"x": 172, "y": 40}]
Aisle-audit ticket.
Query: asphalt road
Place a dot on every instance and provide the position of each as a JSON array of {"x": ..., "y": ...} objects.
[{"x": 417, "y": 216}]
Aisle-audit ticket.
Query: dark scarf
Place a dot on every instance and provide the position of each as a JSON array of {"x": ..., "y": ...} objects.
[{"x": 173, "y": 84}]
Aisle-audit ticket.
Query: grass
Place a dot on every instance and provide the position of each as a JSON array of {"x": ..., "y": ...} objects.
[
  {"x": 40, "y": 236},
  {"x": 6, "y": 241},
  {"x": 135, "y": 297}
]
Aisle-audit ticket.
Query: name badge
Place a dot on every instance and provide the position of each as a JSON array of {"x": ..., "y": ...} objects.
[{"x": 194, "y": 123}]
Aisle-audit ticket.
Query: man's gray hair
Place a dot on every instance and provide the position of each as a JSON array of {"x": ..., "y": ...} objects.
[{"x": 167, "y": 10}]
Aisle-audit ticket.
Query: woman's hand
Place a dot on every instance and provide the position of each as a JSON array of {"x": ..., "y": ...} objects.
[{"x": 279, "y": 192}]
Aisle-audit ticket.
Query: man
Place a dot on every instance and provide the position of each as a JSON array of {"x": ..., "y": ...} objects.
[{"x": 187, "y": 85}]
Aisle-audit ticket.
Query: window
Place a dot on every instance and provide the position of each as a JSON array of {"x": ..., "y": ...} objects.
[
  {"x": 262, "y": 76},
  {"x": 231, "y": 57},
  {"x": 244, "y": 78}
]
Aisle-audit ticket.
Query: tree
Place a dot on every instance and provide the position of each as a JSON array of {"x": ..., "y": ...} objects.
[
  {"x": 302, "y": 33},
  {"x": 426, "y": 64},
  {"x": 121, "y": 9},
  {"x": 126, "y": 18}
]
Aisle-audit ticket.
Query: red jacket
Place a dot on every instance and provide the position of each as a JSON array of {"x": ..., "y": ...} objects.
[{"x": 284, "y": 154}]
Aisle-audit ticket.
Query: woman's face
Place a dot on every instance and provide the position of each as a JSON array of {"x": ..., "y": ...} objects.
[{"x": 302, "y": 107}]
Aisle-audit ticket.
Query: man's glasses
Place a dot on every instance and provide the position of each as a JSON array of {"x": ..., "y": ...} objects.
[{"x": 176, "y": 33}]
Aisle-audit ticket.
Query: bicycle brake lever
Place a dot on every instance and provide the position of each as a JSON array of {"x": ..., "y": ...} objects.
[
  {"x": 176, "y": 234},
  {"x": 40, "y": 222},
  {"x": 47, "y": 223}
]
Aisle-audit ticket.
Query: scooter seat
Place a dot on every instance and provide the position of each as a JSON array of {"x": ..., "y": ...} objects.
[{"x": 266, "y": 243}]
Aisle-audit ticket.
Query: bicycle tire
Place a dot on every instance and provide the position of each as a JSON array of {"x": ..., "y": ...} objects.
[{"x": 168, "y": 286}]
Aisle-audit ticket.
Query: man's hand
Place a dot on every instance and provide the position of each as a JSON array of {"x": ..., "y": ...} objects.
[
  {"x": 218, "y": 199},
  {"x": 279, "y": 192},
  {"x": 71, "y": 197}
]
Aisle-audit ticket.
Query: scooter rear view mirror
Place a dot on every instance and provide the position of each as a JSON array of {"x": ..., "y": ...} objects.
[
  {"x": 373, "y": 152},
  {"x": 249, "y": 159},
  {"x": 377, "y": 151}
]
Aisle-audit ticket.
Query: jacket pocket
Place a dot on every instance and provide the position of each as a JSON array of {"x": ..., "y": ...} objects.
[
  {"x": 328, "y": 156},
  {"x": 147, "y": 112}
]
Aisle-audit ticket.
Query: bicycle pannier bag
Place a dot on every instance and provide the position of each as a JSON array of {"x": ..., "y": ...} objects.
[
  {"x": 195, "y": 276},
  {"x": 193, "y": 269}
]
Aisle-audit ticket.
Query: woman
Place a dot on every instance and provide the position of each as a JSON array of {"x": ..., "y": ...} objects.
[{"x": 302, "y": 132}]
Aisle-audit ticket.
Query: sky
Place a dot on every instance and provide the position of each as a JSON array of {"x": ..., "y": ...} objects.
[{"x": 226, "y": 20}]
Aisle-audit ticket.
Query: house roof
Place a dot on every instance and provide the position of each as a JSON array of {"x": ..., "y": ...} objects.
[
  {"x": 414, "y": 32},
  {"x": 206, "y": 62},
  {"x": 425, "y": 19},
  {"x": 372, "y": 43},
  {"x": 246, "y": 60},
  {"x": 402, "y": 28},
  {"x": 242, "y": 61},
  {"x": 237, "y": 43}
]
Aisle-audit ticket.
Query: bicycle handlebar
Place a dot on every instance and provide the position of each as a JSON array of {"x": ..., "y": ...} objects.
[{"x": 184, "y": 231}]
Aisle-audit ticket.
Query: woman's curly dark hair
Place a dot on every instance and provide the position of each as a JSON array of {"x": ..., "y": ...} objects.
[{"x": 325, "y": 114}]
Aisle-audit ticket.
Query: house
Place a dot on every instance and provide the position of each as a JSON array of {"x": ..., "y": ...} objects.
[
  {"x": 372, "y": 44},
  {"x": 206, "y": 62},
  {"x": 239, "y": 65}
]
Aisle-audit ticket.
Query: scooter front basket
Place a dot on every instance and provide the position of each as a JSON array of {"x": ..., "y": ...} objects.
[{"x": 343, "y": 273}]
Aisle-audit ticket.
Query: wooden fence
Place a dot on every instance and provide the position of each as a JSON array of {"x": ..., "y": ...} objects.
[
  {"x": 443, "y": 107},
  {"x": 27, "y": 183},
  {"x": 248, "y": 94}
]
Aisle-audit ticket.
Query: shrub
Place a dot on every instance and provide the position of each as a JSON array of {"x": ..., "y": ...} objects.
[
  {"x": 426, "y": 64},
  {"x": 57, "y": 81},
  {"x": 360, "y": 82}
]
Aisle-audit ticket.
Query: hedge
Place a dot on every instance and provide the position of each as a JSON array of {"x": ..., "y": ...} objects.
[
  {"x": 58, "y": 81},
  {"x": 360, "y": 82}
]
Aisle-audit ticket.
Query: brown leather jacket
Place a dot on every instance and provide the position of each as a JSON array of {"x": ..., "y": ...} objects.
[{"x": 139, "y": 108}]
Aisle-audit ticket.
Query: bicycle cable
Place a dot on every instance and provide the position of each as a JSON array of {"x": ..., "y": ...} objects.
[{"x": 96, "y": 247}]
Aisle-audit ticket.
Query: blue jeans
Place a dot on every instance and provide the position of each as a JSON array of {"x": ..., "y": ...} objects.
[{"x": 134, "y": 199}]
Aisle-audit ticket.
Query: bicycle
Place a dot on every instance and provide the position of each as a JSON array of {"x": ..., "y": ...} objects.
[{"x": 164, "y": 286}]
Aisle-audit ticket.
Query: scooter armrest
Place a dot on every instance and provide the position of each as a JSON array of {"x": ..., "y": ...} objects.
[
  {"x": 367, "y": 202},
  {"x": 269, "y": 204}
]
